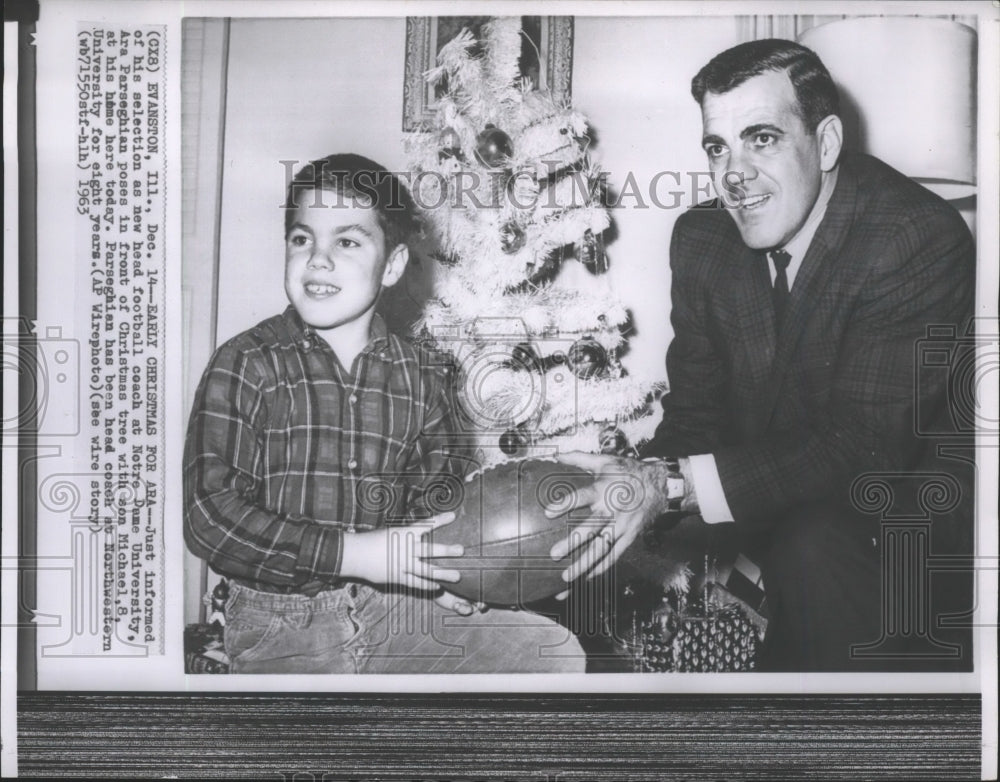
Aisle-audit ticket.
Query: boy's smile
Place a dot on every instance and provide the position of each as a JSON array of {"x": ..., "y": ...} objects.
[
  {"x": 336, "y": 263},
  {"x": 319, "y": 290}
]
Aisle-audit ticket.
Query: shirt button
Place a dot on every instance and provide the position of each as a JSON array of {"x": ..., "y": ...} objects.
[
  {"x": 353, "y": 464},
  {"x": 354, "y": 399}
]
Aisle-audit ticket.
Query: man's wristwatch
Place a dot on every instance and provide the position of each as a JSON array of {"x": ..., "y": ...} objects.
[{"x": 676, "y": 486}]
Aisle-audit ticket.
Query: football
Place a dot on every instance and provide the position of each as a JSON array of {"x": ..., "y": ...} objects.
[{"x": 507, "y": 537}]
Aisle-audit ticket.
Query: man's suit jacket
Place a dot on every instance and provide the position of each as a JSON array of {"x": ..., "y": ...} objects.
[{"x": 797, "y": 416}]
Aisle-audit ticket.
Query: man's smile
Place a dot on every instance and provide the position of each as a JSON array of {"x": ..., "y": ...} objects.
[{"x": 753, "y": 202}]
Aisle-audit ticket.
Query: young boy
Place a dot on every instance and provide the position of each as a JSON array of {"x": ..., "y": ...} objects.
[{"x": 314, "y": 429}]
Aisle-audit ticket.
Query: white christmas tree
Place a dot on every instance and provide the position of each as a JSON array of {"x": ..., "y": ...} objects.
[{"x": 515, "y": 212}]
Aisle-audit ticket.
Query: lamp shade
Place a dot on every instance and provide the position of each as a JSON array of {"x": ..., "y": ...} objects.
[{"x": 908, "y": 94}]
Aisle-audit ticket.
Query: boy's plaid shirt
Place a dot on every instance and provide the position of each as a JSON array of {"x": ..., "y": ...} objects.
[{"x": 286, "y": 451}]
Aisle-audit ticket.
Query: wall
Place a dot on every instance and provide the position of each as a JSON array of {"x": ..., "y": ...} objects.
[
  {"x": 632, "y": 78},
  {"x": 298, "y": 90}
]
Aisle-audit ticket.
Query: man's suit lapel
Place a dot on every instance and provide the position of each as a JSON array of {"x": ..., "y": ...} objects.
[{"x": 819, "y": 265}]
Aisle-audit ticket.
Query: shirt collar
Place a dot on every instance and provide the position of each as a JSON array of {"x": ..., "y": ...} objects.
[{"x": 306, "y": 337}]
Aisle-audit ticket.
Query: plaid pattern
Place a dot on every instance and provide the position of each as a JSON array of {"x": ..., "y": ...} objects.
[
  {"x": 286, "y": 450},
  {"x": 797, "y": 416}
]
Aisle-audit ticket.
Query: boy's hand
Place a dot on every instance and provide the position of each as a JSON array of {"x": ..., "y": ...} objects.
[
  {"x": 395, "y": 555},
  {"x": 459, "y": 605}
]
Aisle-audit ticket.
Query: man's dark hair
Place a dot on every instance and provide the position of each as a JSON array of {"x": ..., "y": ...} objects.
[
  {"x": 354, "y": 176},
  {"x": 814, "y": 88}
]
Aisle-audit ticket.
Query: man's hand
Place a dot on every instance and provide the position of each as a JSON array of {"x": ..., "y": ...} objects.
[
  {"x": 628, "y": 492},
  {"x": 459, "y": 605},
  {"x": 395, "y": 555}
]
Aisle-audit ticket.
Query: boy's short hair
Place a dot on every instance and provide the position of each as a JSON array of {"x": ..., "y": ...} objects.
[
  {"x": 815, "y": 92},
  {"x": 354, "y": 176}
]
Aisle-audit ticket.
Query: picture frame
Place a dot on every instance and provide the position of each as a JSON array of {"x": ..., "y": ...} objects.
[{"x": 548, "y": 38}]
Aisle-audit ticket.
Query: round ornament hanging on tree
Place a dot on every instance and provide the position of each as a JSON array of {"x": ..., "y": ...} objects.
[
  {"x": 511, "y": 237},
  {"x": 523, "y": 356},
  {"x": 514, "y": 442},
  {"x": 493, "y": 147},
  {"x": 588, "y": 358}
]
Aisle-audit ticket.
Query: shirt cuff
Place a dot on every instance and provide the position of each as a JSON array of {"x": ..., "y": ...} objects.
[
  {"x": 325, "y": 546},
  {"x": 708, "y": 489}
]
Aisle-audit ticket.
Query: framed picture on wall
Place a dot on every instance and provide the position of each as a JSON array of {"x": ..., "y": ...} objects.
[{"x": 546, "y": 58}]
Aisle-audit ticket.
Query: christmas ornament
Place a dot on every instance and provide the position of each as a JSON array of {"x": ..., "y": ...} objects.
[
  {"x": 449, "y": 144},
  {"x": 514, "y": 442},
  {"x": 613, "y": 441},
  {"x": 590, "y": 252},
  {"x": 587, "y": 358},
  {"x": 493, "y": 147},
  {"x": 511, "y": 237},
  {"x": 523, "y": 356}
]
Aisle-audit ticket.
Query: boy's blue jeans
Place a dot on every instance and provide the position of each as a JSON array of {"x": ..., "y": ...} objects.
[{"x": 358, "y": 629}]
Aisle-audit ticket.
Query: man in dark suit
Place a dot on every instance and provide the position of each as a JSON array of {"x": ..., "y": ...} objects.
[{"x": 799, "y": 299}]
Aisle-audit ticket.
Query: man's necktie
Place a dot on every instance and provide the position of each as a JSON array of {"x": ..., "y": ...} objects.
[{"x": 780, "y": 292}]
